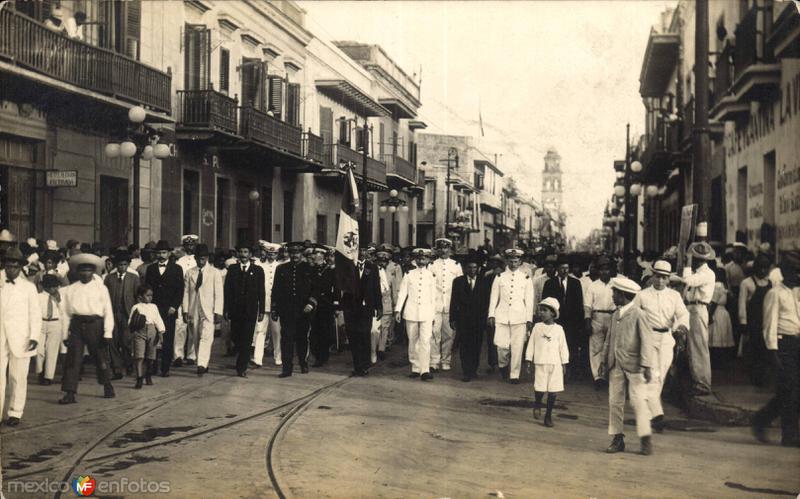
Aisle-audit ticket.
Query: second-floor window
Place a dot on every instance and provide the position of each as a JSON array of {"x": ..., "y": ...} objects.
[
  {"x": 197, "y": 57},
  {"x": 276, "y": 96},
  {"x": 293, "y": 104},
  {"x": 119, "y": 26},
  {"x": 253, "y": 71},
  {"x": 224, "y": 70}
]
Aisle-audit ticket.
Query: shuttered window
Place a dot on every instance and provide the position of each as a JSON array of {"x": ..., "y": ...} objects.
[
  {"x": 326, "y": 124},
  {"x": 197, "y": 57},
  {"x": 224, "y": 70},
  {"x": 344, "y": 132},
  {"x": 359, "y": 138},
  {"x": 252, "y": 86},
  {"x": 381, "y": 139},
  {"x": 276, "y": 95},
  {"x": 133, "y": 28},
  {"x": 293, "y": 104}
]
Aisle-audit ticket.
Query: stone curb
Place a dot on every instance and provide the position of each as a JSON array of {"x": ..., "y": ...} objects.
[{"x": 709, "y": 408}]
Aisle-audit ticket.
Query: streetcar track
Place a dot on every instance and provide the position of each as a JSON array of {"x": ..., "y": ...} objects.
[
  {"x": 283, "y": 424},
  {"x": 114, "y": 430}
]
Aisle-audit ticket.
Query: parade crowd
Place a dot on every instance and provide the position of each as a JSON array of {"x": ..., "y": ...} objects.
[{"x": 141, "y": 312}]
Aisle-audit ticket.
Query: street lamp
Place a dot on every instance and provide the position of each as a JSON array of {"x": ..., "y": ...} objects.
[
  {"x": 142, "y": 142},
  {"x": 392, "y": 205}
]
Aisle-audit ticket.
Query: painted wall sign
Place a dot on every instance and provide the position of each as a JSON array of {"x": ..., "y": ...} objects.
[{"x": 61, "y": 178}]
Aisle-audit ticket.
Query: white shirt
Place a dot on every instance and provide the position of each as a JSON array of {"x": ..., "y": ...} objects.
[
  {"x": 44, "y": 299},
  {"x": 87, "y": 299},
  {"x": 444, "y": 271},
  {"x": 417, "y": 298},
  {"x": 538, "y": 286},
  {"x": 20, "y": 316},
  {"x": 781, "y": 314},
  {"x": 511, "y": 301},
  {"x": 269, "y": 278},
  {"x": 187, "y": 262},
  {"x": 151, "y": 315},
  {"x": 135, "y": 263},
  {"x": 700, "y": 284},
  {"x": 547, "y": 345},
  {"x": 599, "y": 296},
  {"x": 663, "y": 309}
]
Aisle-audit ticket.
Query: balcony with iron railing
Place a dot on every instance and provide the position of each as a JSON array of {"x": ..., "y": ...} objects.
[
  {"x": 30, "y": 45},
  {"x": 400, "y": 167},
  {"x": 687, "y": 124},
  {"x": 755, "y": 72},
  {"x": 340, "y": 153},
  {"x": 207, "y": 110},
  {"x": 313, "y": 147},
  {"x": 662, "y": 144},
  {"x": 260, "y": 128}
]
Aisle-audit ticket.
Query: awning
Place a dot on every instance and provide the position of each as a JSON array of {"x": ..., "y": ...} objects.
[
  {"x": 351, "y": 96},
  {"x": 659, "y": 63},
  {"x": 398, "y": 107}
]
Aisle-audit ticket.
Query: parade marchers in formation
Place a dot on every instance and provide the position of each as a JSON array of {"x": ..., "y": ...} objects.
[{"x": 144, "y": 312}]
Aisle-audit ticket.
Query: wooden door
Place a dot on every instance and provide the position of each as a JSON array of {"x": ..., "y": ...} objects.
[{"x": 114, "y": 219}]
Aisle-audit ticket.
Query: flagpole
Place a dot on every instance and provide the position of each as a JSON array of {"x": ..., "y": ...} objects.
[{"x": 364, "y": 141}]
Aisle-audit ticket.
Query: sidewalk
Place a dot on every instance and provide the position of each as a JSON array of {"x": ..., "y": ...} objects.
[{"x": 734, "y": 400}]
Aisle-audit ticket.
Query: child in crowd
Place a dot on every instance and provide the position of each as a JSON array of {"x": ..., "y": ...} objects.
[
  {"x": 49, "y": 346},
  {"x": 148, "y": 330},
  {"x": 720, "y": 329},
  {"x": 547, "y": 349}
]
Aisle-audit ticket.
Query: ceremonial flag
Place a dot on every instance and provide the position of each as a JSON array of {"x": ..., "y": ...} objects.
[{"x": 347, "y": 240}]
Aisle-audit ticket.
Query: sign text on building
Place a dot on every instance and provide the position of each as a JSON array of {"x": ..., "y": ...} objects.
[{"x": 61, "y": 178}]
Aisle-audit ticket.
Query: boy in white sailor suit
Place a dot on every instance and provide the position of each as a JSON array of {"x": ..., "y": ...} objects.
[
  {"x": 268, "y": 329},
  {"x": 548, "y": 351},
  {"x": 511, "y": 314},
  {"x": 444, "y": 270},
  {"x": 416, "y": 303},
  {"x": 202, "y": 305}
]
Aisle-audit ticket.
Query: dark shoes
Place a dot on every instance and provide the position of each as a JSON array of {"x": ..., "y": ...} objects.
[
  {"x": 537, "y": 410},
  {"x": 148, "y": 380},
  {"x": 381, "y": 355},
  {"x": 426, "y": 377},
  {"x": 139, "y": 382},
  {"x": 45, "y": 382},
  {"x": 413, "y": 375},
  {"x": 514, "y": 381},
  {"x": 253, "y": 365},
  {"x": 284, "y": 374},
  {"x": 548, "y": 420},
  {"x": 242, "y": 374},
  {"x": 434, "y": 370},
  {"x": 359, "y": 372},
  {"x": 760, "y": 433},
  {"x": 466, "y": 379},
  {"x": 617, "y": 444},
  {"x": 304, "y": 368},
  {"x": 117, "y": 377},
  {"x": 646, "y": 447},
  {"x": 190, "y": 362},
  {"x": 658, "y": 424},
  {"x": 68, "y": 398},
  {"x": 201, "y": 370},
  {"x": 599, "y": 384},
  {"x": 12, "y": 421},
  {"x": 108, "y": 391},
  {"x": 177, "y": 362},
  {"x": 165, "y": 374},
  {"x": 490, "y": 369}
]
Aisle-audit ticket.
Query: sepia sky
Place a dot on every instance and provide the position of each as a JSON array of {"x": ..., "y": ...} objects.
[{"x": 562, "y": 74}]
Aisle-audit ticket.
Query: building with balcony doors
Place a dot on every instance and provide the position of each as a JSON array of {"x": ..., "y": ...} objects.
[{"x": 62, "y": 99}]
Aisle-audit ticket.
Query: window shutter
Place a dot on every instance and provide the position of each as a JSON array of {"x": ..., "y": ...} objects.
[
  {"x": 276, "y": 95},
  {"x": 133, "y": 28},
  {"x": 197, "y": 57},
  {"x": 381, "y": 140},
  {"x": 262, "y": 87},
  {"x": 224, "y": 70},
  {"x": 359, "y": 138},
  {"x": 248, "y": 80},
  {"x": 205, "y": 58},
  {"x": 294, "y": 89},
  {"x": 326, "y": 124},
  {"x": 344, "y": 132},
  {"x": 105, "y": 13}
]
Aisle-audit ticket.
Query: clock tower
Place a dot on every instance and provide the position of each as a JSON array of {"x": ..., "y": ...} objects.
[{"x": 551, "y": 181}]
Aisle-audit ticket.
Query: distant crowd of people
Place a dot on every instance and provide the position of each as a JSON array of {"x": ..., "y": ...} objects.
[{"x": 142, "y": 312}]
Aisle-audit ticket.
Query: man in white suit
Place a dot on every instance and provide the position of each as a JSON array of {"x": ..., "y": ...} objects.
[
  {"x": 202, "y": 305},
  {"x": 185, "y": 337},
  {"x": 444, "y": 270},
  {"x": 511, "y": 308},
  {"x": 417, "y": 303},
  {"x": 20, "y": 328},
  {"x": 267, "y": 326}
]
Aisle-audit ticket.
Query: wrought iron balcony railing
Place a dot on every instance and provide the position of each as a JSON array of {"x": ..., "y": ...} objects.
[
  {"x": 207, "y": 109},
  {"x": 261, "y": 128}
]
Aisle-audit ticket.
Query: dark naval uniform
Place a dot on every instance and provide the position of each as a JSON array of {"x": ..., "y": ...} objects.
[
  {"x": 323, "y": 322},
  {"x": 292, "y": 290}
]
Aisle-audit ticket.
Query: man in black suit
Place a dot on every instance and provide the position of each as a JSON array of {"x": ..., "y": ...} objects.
[
  {"x": 569, "y": 293},
  {"x": 323, "y": 321},
  {"x": 122, "y": 285},
  {"x": 244, "y": 304},
  {"x": 469, "y": 306},
  {"x": 166, "y": 279},
  {"x": 293, "y": 301},
  {"x": 360, "y": 308}
]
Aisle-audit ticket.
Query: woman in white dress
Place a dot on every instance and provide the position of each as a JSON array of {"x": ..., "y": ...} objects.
[{"x": 720, "y": 330}]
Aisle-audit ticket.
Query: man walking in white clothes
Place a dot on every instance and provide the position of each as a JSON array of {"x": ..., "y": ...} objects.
[
  {"x": 666, "y": 314},
  {"x": 416, "y": 303},
  {"x": 267, "y": 329},
  {"x": 202, "y": 305},
  {"x": 599, "y": 307},
  {"x": 698, "y": 294},
  {"x": 444, "y": 270},
  {"x": 20, "y": 331},
  {"x": 511, "y": 314},
  {"x": 186, "y": 337}
]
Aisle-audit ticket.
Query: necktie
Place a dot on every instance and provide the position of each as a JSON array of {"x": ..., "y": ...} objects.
[
  {"x": 121, "y": 276},
  {"x": 199, "y": 280},
  {"x": 471, "y": 284},
  {"x": 10, "y": 281},
  {"x": 49, "y": 308}
]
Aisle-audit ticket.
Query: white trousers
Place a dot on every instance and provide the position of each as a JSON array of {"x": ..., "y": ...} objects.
[
  {"x": 387, "y": 332},
  {"x": 512, "y": 355},
  {"x": 638, "y": 390},
  {"x": 699, "y": 356},
  {"x": 419, "y": 345},
  {"x": 47, "y": 351},
  {"x": 375, "y": 339},
  {"x": 442, "y": 342},
  {"x": 264, "y": 327},
  {"x": 201, "y": 332},
  {"x": 663, "y": 344},
  {"x": 600, "y": 325},
  {"x": 184, "y": 347},
  {"x": 14, "y": 373}
]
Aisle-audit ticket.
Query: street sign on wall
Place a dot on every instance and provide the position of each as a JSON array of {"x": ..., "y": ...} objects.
[{"x": 61, "y": 178}]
